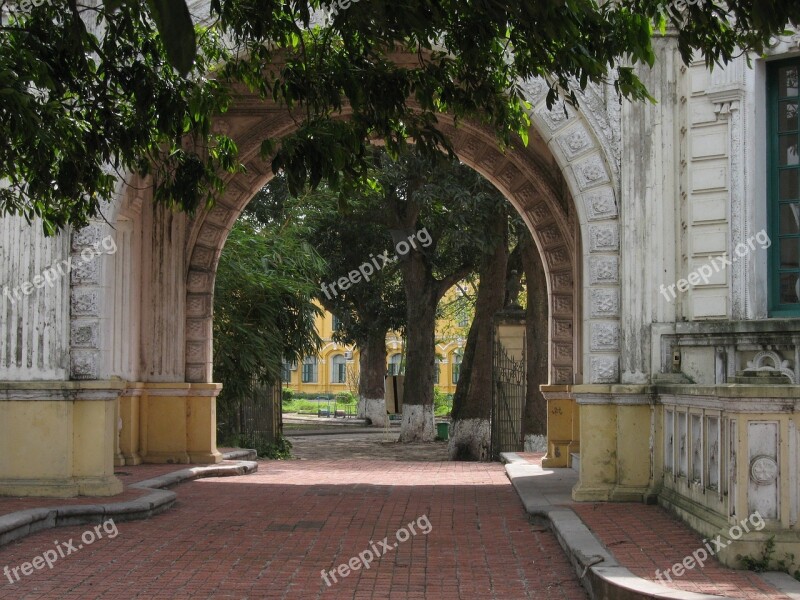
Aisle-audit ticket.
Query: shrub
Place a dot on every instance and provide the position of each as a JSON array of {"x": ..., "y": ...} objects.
[
  {"x": 345, "y": 398},
  {"x": 280, "y": 449},
  {"x": 442, "y": 403},
  {"x": 287, "y": 395},
  {"x": 298, "y": 405}
]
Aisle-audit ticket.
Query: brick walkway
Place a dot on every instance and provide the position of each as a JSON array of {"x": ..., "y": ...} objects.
[
  {"x": 269, "y": 535},
  {"x": 645, "y": 538}
]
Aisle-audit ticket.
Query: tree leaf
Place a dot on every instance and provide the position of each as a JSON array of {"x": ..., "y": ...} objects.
[{"x": 177, "y": 32}]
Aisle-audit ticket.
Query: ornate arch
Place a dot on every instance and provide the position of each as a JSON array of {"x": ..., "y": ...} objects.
[{"x": 563, "y": 185}]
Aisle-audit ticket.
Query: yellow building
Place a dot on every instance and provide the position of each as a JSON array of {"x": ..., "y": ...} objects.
[{"x": 335, "y": 368}]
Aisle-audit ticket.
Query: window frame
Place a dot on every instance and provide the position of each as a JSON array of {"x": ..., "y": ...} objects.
[
  {"x": 307, "y": 362},
  {"x": 776, "y": 308},
  {"x": 456, "y": 368},
  {"x": 390, "y": 370},
  {"x": 334, "y": 379},
  {"x": 286, "y": 371}
]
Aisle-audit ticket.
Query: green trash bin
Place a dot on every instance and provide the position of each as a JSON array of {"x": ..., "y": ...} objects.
[{"x": 442, "y": 430}]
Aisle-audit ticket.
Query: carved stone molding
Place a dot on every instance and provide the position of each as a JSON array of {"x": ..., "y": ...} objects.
[
  {"x": 603, "y": 238},
  {"x": 604, "y": 302},
  {"x": 600, "y": 204},
  {"x": 85, "y": 295},
  {"x": 604, "y": 269},
  {"x": 604, "y": 336},
  {"x": 575, "y": 141},
  {"x": 604, "y": 369},
  {"x": 768, "y": 361},
  {"x": 591, "y": 172}
]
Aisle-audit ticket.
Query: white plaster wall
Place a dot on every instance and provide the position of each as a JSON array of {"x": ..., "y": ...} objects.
[{"x": 34, "y": 331}]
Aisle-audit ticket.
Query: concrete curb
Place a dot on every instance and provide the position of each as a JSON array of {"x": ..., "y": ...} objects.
[
  {"x": 784, "y": 582},
  {"x": 599, "y": 572},
  {"x": 16, "y": 525},
  {"x": 290, "y": 433}
]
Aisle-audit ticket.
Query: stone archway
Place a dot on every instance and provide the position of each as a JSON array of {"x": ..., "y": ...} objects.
[
  {"x": 162, "y": 280},
  {"x": 563, "y": 184}
]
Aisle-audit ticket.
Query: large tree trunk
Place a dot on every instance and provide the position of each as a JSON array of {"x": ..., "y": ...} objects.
[
  {"x": 422, "y": 294},
  {"x": 372, "y": 370},
  {"x": 534, "y": 424},
  {"x": 472, "y": 402}
]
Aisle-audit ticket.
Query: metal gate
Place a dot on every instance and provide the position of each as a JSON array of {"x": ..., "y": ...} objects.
[
  {"x": 508, "y": 401},
  {"x": 255, "y": 419},
  {"x": 261, "y": 414}
]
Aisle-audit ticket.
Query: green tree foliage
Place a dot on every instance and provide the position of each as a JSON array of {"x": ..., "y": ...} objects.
[
  {"x": 262, "y": 304},
  {"x": 89, "y": 90},
  {"x": 87, "y": 93}
]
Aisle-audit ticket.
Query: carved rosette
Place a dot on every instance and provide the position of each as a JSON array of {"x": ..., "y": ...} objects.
[{"x": 763, "y": 470}]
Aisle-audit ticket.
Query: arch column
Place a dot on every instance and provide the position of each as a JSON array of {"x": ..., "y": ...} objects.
[{"x": 616, "y": 422}]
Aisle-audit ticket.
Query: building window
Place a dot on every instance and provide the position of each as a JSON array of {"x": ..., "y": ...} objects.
[
  {"x": 337, "y": 323},
  {"x": 338, "y": 369},
  {"x": 463, "y": 316},
  {"x": 286, "y": 372},
  {"x": 310, "y": 369},
  {"x": 394, "y": 364},
  {"x": 436, "y": 367},
  {"x": 457, "y": 356},
  {"x": 784, "y": 188}
]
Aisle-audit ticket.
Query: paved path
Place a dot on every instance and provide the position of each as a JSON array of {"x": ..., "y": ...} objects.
[
  {"x": 367, "y": 445},
  {"x": 269, "y": 535},
  {"x": 644, "y": 538}
]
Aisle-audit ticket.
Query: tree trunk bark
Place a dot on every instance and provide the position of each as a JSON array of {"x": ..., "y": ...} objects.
[
  {"x": 472, "y": 402},
  {"x": 372, "y": 370},
  {"x": 534, "y": 424},
  {"x": 421, "y": 291}
]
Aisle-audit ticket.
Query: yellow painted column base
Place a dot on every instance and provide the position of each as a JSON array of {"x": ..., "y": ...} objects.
[
  {"x": 61, "y": 488},
  {"x": 129, "y": 409},
  {"x": 615, "y": 459},
  {"x": 201, "y": 427},
  {"x": 562, "y": 426},
  {"x": 58, "y": 439},
  {"x": 178, "y": 423}
]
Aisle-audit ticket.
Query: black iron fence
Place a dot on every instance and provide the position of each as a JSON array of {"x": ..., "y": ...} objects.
[
  {"x": 252, "y": 421},
  {"x": 508, "y": 402}
]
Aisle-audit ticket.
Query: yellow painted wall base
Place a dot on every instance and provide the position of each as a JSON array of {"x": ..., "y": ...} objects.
[
  {"x": 57, "y": 439},
  {"x": 63, "y": 439},
  {"x": 563, "y": 426},
  {"x": 177, "y": 423},
  {"x": 129, "y": 407},
  {"x": 615, "y": 422}
]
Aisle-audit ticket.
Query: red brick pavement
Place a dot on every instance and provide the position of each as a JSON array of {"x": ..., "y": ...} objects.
[
  {"x": 268, "y": 535},
  {"x": 645, "y": 538}
]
